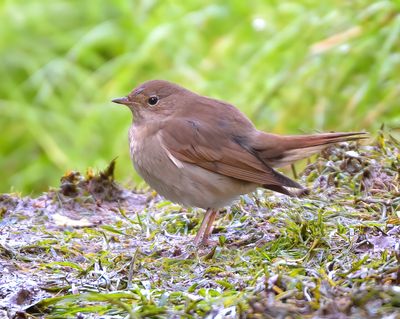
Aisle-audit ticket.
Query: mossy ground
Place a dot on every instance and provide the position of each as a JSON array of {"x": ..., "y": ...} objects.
[{"x": 93, "y": 249}]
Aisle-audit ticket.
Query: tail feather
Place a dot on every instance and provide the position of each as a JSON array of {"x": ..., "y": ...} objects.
[
  {"x": 304, "y": 141},
  {"x": 278, "y": 151}
]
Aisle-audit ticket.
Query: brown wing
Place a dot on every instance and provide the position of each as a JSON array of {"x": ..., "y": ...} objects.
[{"x": 214, "y": 148}]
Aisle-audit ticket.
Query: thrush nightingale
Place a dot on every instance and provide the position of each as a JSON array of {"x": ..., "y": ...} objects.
[{"x": 202, "y": 152}]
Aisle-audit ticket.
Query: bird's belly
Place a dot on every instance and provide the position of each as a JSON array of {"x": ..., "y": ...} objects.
[{"x": 183, "y": 182}]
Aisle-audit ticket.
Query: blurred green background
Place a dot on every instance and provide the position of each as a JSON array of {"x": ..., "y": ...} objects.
[{"x": 292, "y": 66}]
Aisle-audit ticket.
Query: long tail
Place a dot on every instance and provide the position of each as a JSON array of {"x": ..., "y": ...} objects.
[{"x": 278, "y": 151}]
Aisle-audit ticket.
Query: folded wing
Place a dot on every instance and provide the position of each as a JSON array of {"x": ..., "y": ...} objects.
[{"x": 213, "y": 148}]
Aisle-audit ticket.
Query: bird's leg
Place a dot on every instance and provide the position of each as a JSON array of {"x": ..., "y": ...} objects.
[
  {"x": 208, "y": 230},
  {"x": 203, "y": 227}
]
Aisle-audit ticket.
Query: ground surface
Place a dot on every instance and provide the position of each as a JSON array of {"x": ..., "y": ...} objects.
[{"x": 92, "y": 249}]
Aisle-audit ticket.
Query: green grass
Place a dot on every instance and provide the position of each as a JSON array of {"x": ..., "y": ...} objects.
[
  {"x": 310, "y": 65},
  {"x": 107, "y": 252}
]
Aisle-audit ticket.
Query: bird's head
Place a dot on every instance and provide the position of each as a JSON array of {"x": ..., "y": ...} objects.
[{"x": 154, "y": 100}]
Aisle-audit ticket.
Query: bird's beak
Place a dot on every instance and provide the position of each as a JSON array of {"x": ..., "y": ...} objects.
[{"x": 121, "y": 100}]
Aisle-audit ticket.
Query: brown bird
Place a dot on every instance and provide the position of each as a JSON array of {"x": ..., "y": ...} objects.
[{"x": 202, "y": 152}]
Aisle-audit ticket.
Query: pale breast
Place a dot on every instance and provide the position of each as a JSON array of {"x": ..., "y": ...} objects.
[{"x": 178, "y": 181}]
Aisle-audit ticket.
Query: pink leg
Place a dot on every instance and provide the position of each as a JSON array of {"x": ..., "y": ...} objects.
[
  {"x": 208, "y": 230},
  {"x": 203, "y": 226}
]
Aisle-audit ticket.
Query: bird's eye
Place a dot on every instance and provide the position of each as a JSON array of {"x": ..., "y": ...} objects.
[{"x": 153, "y": 100}]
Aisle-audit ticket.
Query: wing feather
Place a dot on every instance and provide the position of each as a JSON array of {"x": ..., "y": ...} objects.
[{"x": 216, "y": 150}]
